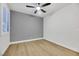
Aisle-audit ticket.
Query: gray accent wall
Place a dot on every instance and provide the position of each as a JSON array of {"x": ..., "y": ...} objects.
[{"x": 24, "y": 26}]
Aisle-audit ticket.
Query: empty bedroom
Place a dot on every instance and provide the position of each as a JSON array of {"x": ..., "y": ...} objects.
[{"x": 39, "y": 29}]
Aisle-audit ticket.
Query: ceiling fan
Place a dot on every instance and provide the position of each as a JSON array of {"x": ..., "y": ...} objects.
[{"x": 39, "y": 7}]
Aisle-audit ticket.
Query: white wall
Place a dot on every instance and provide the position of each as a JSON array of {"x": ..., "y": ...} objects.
[
  {"x": 4, "y": 37},
  {"x": 0, "y": 19},
  {"x": 62, "y": 27}
]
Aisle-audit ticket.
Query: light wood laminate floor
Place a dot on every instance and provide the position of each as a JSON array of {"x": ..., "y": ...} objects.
[{"x": 38, "y": 48}]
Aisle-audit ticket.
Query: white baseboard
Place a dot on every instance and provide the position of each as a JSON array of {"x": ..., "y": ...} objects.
[
  {"x": 37, "y": 39},
  {"x": 25, "y": 40},
  {"x": 65, "y": 46},
  {"x": 5, "y": 49}
]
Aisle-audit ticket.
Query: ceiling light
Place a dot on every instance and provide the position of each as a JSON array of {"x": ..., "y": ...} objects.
[{"x": 38, "y": 8}]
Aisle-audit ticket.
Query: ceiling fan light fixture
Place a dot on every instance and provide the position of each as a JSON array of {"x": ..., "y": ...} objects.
[{"x": 38, "y": 8}]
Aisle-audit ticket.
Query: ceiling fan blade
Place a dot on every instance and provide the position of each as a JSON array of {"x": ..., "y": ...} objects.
[
  {"x": 30, "y": 6},
  {"x": 35, "y": 11},
  {"x": 43, "y": 10},
  {"x": 38, "y": 3},
  {"x": 46, "y": 4}
]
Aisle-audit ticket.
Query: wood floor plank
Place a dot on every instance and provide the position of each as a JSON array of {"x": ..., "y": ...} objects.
[
  {"x": 38, "y": 48},
  {"x": 56, "y": 50},
  {"x": 11, "y": 50}
]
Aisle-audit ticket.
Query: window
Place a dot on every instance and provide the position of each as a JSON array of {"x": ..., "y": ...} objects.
[{"x": 5, "y": 19}]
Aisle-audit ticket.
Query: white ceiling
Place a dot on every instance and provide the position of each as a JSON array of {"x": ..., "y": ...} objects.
[{"x": 20, "y": 7}]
